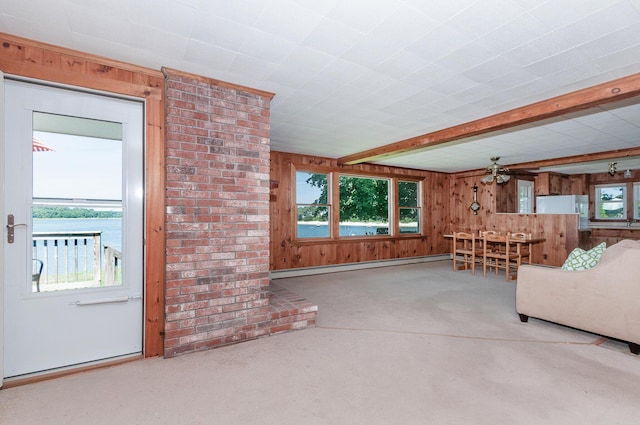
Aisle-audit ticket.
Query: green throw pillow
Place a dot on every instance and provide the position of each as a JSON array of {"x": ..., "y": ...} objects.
[{"x": 579, "y": 259}]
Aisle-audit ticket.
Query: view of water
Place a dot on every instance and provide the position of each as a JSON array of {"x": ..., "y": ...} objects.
[
  {"x": 110, "y": 227},
  {"x": 322, "y": 230}
]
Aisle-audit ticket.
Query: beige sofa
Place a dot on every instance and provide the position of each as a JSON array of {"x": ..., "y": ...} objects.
[{"x": 604, "y": 300}]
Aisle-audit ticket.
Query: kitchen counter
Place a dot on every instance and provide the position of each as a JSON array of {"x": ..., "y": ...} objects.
[{"x": 614, "y": 226}]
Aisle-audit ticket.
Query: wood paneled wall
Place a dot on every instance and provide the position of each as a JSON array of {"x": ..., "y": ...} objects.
[
  {"x": 446, "y": 209},
  {"x": 559, "y": 230},
  {"x": 287, "y": 252}
]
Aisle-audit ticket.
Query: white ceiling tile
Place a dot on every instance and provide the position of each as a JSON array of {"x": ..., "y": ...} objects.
[
  {"x": 625, "y": 58},
  {"x": 332, "y": 37},
  {"x": 250, "y": 68},
  {"x": 427, "y": 76},
  {"x": 209, "y": 55},
  {"x": 288, "y": 20},
  {"x": 464, "y": 58},
  {"x": 619, "y": 40},
  {"x": 517, "y": 32},
  {"x": 179, "y": 21},
  {"x": 538, "y": 49},
  {"x": 267, "y": 47},
  {"x": 556, "y": 14},
  {"x": 511, "y": 79},
  {"x": 400, "y": 65},
  {"x": 489, "y": 70},
  {"x": 363, "y": 15},
  {"x": 354, "y": 75},
  {"x": 553, "y": 65},
  {"x": 369, "y": 52},
  {"x": 244, "y": 12},
  {"x": 403, "y": 26},
  {"x": 439, "y": 10},
  {"x": 609, "y": 20},
  {"x": 437, "y": 43},
  {"x": 483, "y": 16},
  {"x": 221, "y": 32}
]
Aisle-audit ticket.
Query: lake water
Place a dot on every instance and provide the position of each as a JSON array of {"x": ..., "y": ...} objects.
[
  {"x": 322, "y": 230},
  {"x": 110, "y": 227}
]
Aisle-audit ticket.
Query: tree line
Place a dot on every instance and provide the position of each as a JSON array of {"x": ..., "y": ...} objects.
[
  {"x": 63, "y": 212},
  {"x": 361, "y": 199}
]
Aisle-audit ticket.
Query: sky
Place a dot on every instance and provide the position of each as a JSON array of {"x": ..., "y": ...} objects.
[
  {"x": 305, "y": 193},
  {"x": 77, "y": 168}
]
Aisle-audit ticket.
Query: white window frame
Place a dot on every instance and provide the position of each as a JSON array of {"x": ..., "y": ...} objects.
[
  {"x": 525, "y": 196},
  {"x": 299, "y": 204},
  {"x": 636, "y": 200},
  {"x": 597, "y": 199},
  {"x": 416, "y": 208},
  {"x": 371, "y": 229}
]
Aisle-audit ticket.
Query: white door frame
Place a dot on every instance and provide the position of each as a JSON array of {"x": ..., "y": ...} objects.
[{"x": 3, "y": 210}]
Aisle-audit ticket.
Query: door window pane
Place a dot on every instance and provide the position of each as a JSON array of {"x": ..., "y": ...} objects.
[
  {"x": 77, "y": 208},
  {"x": 76, "y": 248}
]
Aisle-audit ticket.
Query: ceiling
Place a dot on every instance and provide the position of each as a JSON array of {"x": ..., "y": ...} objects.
[{"x": 354, "y": 75}]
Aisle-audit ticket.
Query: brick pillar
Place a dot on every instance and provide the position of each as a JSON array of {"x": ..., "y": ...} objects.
[{"x": 217, "y": 217}]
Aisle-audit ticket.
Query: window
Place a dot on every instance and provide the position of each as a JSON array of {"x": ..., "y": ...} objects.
[
  {"x": 525, "y": 196},
  {"x": 611, "y": 202},
  {"x": 636, "y": 200},
  {"x": 408, "y": 210},
  {"x": 364, "y": 206},
  {"x": 312, "y": 203}
]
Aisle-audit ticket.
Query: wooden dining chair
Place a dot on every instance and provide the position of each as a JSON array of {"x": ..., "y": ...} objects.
[
  {"x": 465, "y": 251},
  {"x": 499, "y": 253},
  {"x": 523, "y": 247},
  {"x": 491, "y": 247}
]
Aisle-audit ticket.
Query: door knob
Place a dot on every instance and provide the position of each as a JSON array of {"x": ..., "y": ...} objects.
[{"x": 10, "y": 228}]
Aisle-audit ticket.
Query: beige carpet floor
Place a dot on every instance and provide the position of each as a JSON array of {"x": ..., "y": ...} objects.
[{"x": 415, "y": 344}]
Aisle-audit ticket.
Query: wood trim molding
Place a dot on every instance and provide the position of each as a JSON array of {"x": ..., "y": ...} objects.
[
  {"x": 218, "y": 83},
  {"x": 40, "y": 61},
  {"x": 611, "y": 91}
]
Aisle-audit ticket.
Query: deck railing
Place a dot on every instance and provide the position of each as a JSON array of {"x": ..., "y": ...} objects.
[{"x": 76, "y": 256}]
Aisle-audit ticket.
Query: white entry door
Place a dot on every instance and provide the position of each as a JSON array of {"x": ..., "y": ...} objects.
[{"x": 73, "y": 224}]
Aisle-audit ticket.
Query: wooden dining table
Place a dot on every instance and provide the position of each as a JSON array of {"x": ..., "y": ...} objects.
[{"x": 530, "y": 241}]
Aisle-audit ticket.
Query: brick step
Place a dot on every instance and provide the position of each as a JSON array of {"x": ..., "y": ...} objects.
[{"x": 288, "y": 311}]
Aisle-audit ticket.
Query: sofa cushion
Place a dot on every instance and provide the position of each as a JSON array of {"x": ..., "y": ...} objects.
[{"x": 579, "y": 259}]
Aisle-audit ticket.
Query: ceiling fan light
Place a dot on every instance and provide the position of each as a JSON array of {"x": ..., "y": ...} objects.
[
  {"x": 487, "y": 179},
  {"x": 503, "y": 178}
]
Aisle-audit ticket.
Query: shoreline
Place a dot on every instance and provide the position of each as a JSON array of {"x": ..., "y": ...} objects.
[{"x": 355, "y": 223}]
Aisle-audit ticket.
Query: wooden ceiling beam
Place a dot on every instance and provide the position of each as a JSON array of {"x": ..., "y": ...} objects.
[
  {"x": 617, "y": 154},
  {"x": 611, "y": 91}
]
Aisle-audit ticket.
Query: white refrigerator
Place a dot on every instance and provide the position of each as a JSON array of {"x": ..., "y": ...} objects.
[{"x": 565, "y": 204}]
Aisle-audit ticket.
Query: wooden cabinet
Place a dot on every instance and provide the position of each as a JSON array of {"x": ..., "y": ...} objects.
[{"x": 551, "y": 184}]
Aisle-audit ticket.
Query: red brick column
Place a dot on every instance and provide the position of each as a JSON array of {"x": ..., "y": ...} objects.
[{"x": 217, "y": 217}]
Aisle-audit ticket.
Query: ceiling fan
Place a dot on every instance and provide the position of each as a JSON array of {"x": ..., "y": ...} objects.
[{"x": 496, "y": 172}]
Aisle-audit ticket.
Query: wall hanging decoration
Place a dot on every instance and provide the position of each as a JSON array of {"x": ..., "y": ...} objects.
[{"x": 475, "y": 206}]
